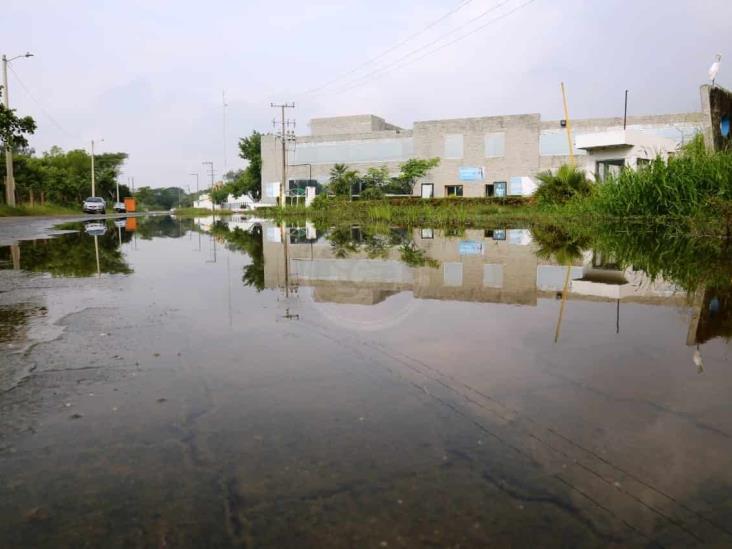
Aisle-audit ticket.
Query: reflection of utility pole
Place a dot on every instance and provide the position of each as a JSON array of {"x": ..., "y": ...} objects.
[
  {"x": 283, "y": 138},
  {"x": 565, "y": 292},
  {"x": 96, "y": 251},
  {"x": 210, "y": 192},
  {"x": 15, "y": 253}
]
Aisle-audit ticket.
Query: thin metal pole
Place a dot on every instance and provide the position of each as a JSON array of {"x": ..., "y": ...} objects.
[
  {"x": 94, "y": 181},
  {"x": 625, "y": 112},
  {"x": 569, "y": 127}
]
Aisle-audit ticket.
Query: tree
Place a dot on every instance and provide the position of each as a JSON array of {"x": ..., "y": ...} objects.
[
  {"x": 13, "y": 129},
  {"x": 569, "y": 182},
  {"x": 219, "y": 194},
  {"x": 342, "y": 180},
  {"x": 249, "y": 180},
  {"x": 376, "y": 178},
  {"x": 410, "y": 171}
]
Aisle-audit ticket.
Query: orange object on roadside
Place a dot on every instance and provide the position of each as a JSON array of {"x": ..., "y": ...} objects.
[{"x": 130, "y": 204}]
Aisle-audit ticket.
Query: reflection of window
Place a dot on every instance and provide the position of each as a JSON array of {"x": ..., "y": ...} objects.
[
  {"x": 454, "y": 145},
  {"x": 608, "y": 168},
  {"x": 499, "y": 188},
  {"x": 453, "y": 190},
  {"x": 493, "y": 275},
  {"x": 427, "y": 234},
  {"x": 495, "y": 144},
  {"x": 499, "y": 235},
  {"x": 452, "y": 274}
]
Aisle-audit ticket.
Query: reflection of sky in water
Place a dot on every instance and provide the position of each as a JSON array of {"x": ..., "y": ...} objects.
[{"x": 370, "y": 401}]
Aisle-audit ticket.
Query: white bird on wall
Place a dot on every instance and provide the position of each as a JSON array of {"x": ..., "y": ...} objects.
[{"x": 714, "y": 69}]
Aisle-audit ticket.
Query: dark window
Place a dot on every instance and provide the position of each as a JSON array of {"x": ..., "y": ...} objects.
[
  {"x": 453, "y": 190},
  {"x": 490, "y": 190},
  {"x": 608, "y": 168}
]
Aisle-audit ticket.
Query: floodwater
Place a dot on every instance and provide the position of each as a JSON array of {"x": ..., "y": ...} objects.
[{"x": 205, "y": 383}]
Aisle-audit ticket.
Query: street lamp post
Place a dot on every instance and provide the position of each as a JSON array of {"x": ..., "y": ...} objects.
[
  {"x": 93, "y": 175},
  {"x": 9, "y": 177}
]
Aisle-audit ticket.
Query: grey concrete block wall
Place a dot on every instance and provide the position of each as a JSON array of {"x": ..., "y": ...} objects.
[{"x": 522, "y": 155}]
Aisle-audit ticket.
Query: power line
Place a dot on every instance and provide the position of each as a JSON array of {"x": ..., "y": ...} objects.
[
  {"x": 398, "y": 64},
  {"x": 41, "y": 107},
  {"x": 388, "y": 50}
]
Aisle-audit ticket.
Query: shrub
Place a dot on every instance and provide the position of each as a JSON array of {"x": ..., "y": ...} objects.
[
  {"x": 372, "y": 193},
  {"x": 569, "y": 182}
]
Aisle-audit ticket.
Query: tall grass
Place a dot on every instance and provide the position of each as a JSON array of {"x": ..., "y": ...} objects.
[
  {"x": 688, "y": 184},
  {"x": 37, "y": 209}
]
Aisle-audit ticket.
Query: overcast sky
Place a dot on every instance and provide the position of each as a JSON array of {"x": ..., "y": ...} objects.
[{"x": 147, "y": 75}]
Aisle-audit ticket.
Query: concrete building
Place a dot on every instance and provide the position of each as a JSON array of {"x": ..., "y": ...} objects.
[
  {"x": 235, "y": 203},
  {"x": 485, "y": 156},
  {"x": 489, "y": 266}
]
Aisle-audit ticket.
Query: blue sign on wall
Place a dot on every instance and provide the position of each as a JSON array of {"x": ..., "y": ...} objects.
[
  {"x": 470, "y": 174},
  {"x": 470, "y": 247}
]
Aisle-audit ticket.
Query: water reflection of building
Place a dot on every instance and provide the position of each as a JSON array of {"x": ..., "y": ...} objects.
[{"x": 498, "y": 266}]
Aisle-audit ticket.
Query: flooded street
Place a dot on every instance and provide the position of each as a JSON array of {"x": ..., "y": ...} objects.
[{"x": 225, "y": 383}]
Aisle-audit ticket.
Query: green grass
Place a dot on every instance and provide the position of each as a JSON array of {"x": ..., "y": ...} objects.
[
  {"x": 461, "y": 212},
  {"x": 37, "y": 209}
]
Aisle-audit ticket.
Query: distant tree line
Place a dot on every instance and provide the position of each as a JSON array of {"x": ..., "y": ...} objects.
[{"x": 63, "y": 177}]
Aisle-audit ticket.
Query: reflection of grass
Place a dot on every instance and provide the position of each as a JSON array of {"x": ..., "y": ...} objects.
[
  {"x": 27, "y": 209},
  {"x": 554, "y": 240},
  {"x": 201, "y": 211}
]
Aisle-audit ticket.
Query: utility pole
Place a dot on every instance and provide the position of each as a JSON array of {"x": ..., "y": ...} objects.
[
  {"x": 93, "y": 174},
  {"x": 625, "y": 112},
  {"x": 569, "y": 127},
  {"x": 9, "y": 176},
  {"x": 283, "y": 137},
  {"x": 224, "y": 105},
  {"x": 210, "y": 196}
]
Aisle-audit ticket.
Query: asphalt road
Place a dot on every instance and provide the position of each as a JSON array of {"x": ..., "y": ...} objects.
[{"x": 14, "y": 229}]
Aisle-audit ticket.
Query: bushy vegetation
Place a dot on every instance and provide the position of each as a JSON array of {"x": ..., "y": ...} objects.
[
  {"x": 64, "y": 177},
  {"x": 377, "y": 182},
  {"x": 568, "y": 183},
  {"x": 695, "y": 181}
]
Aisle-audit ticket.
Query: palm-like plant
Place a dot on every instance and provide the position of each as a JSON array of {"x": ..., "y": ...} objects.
[
  {"x": 569, "y": 182},
  {"x": 342, "y": 179}
]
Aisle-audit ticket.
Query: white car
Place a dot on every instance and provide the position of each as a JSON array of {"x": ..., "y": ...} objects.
[{"x": 94, "y": 204}]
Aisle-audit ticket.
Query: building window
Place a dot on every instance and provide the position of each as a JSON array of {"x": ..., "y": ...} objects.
[
  {"x": 499, "y": 188},
  {"x": 453, "y": 145},
  {"x": 517, "y": 187},
  {"x": 608, "y": 168},
  {"x": 453, "y": 190},
  {"x": 490, "y": 190},
  {"x": 492, "y": 275},
  {"x": 428, "y": 190},
  {"x": 452, "y": 274},
  {"x": 495, "y": 144}
]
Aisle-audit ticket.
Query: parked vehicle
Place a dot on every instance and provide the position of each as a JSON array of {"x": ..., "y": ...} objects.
[
  {"x": 95, "y": 228},
  {"x": 120, "y": 207},
  {"x": 94, "y": 204}
]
